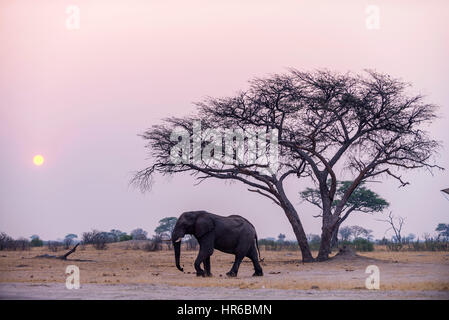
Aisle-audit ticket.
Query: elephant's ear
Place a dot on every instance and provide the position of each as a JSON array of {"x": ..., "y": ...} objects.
[{"x": 203, "y": 225}]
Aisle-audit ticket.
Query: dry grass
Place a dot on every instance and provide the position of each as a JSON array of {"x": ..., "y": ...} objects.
[{"x": 116, "y": 265}]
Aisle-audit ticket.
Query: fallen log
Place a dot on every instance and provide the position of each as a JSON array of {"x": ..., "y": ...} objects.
[{"x": 63, "y": 257}]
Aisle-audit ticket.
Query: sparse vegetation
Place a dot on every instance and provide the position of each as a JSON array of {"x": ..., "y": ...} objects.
[
  {"x": 139, "y": 234},
  {"x": 53, "y": 246},
  {"x": 36, "y": 241},
  {"x": 359, "y": 244},
  {"x": 155, "y": 244},
  {"x": 97, "y": 238},
  {"x": 8, "y": 243}
]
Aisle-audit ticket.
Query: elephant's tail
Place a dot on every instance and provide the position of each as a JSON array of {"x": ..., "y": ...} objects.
[{"x": 258, "y": 251}]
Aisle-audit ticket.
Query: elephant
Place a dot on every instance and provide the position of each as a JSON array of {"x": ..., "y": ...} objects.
[{"x": 233, "y": 234}]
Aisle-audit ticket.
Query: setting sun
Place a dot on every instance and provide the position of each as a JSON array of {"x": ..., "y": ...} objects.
[{"x": 38, "y": 160}]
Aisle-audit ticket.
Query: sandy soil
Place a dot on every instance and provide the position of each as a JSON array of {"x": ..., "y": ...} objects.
[
  {"x": 58, "y": 291},
  {"x": 125, "y": 272}
]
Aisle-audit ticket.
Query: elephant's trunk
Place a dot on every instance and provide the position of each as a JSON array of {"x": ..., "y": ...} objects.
[{"x": 177, "y": 247}]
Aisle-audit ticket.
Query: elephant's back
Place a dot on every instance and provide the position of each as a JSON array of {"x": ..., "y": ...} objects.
[
  {"x": 237, "y": 222},
  {"x": 242, "y": 219}
]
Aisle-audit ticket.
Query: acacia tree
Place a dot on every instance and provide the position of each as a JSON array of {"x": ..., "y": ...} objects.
[
  {"x": 166, "y": 226},
  {"x": 323, "y": 120},
  {"x": 362, "y": 200},
  {"x": 443, "y": 231},
  {"x": 366, "y": 124}
]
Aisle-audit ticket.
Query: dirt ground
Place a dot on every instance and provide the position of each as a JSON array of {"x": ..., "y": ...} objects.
[{"x": 125, "y": 272}]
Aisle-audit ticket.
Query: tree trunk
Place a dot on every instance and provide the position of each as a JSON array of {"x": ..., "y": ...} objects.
[
  {"x": 292, "y": 216},
  {"x": 294, "y": 220},
  {"x": 334, "y": 241},
  {"x": 327, "y": 232},
  {"x": 325, "y": 245}
]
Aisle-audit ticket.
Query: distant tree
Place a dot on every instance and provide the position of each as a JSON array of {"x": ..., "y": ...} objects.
[
  {"x": 345, "y": 233},
  {"x": 281, "y": 237},
  {"x": 166, "y": 226},
  {"x": 349, "y": 233},
  {"x": 53, "y": 246},
  {"x": 97, "y": 238},
  {"x": 139, "y": 234},
  {"x": 125, "y": 237},
  {"x": 71, "y": 236},
  {"x": 361, "y": 200},
  {"x": 69, "y": 240},
  {"x": 5, "y": 241},
  {"x": 443, "y": 231},
  {"x": 396, "y": 224},
  {"x": 410, "y": 237},
  {"x": 360, "y": 232},
  {"x": 21, "y": 244},
  {"x": 314, "y": 241},
  {"x": 313, "y": 238},
  {"x": 383, "y": 241},
  {"x": 36, "y": 241},
  {"x": 116, "y": 235}
]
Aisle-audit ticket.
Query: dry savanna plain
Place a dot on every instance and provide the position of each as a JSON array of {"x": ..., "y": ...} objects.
[{"x": 125, "y": 271}]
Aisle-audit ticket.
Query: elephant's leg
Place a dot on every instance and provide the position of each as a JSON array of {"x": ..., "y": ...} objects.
[
  {"x": 235, "y": 267},
  {"x": 199, "y": 259},
  {"x": 252, "y": 254},
  {"x": 207, "y": 267},
  {"x": 206, "y": 250},
  {"x": 240, "y": 253}
]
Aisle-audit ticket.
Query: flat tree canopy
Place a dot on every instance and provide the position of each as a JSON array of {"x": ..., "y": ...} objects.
[{"x": 365, "y": 123}]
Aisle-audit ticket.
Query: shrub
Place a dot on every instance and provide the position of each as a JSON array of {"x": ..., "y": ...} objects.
[
  {"x": 276, "y": 245},
  {"x": 125, "y": 237},
  {"x": 53, "y": 246},
  {"x": 362, "y": 245},
  {"x": 36, "y": 242},
  {"x": 97, "y": 238},
  {"x": 139, "y": 234},
  {"x": 359, "y": 244},
  {"x": 154, "y": 244},
  {"x": 67, "y": 242},
  {"x": 5, "y": 241},
  {"x": 21, "y": 244}
]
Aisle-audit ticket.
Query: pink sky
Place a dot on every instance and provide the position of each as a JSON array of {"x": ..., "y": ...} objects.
[{"x": 80, "y": 97}]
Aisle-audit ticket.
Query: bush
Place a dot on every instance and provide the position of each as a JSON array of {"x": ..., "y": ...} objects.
[
  {"x": 276, "y": 245},
  {"x": 125, "y": 237},
  {"x": 53, "y": 246},
  {"x": 67, "y": 242},
  {"x": 154, "y": 244},
  {"x": 5, "y": 241},
  {"x": 359, "y": 244},
  {"x": 139, "y": 234},
  {"x": 429, "y": 244},
  {"x": 97, "y": 238},
  {"x": 363, "y": 245},
  {"x": 36, "y": 242},
  {"x": 21, "y": 244}
]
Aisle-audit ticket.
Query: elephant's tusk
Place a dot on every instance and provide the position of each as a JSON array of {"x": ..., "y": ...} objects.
[{"x": 179, "y": 239}]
